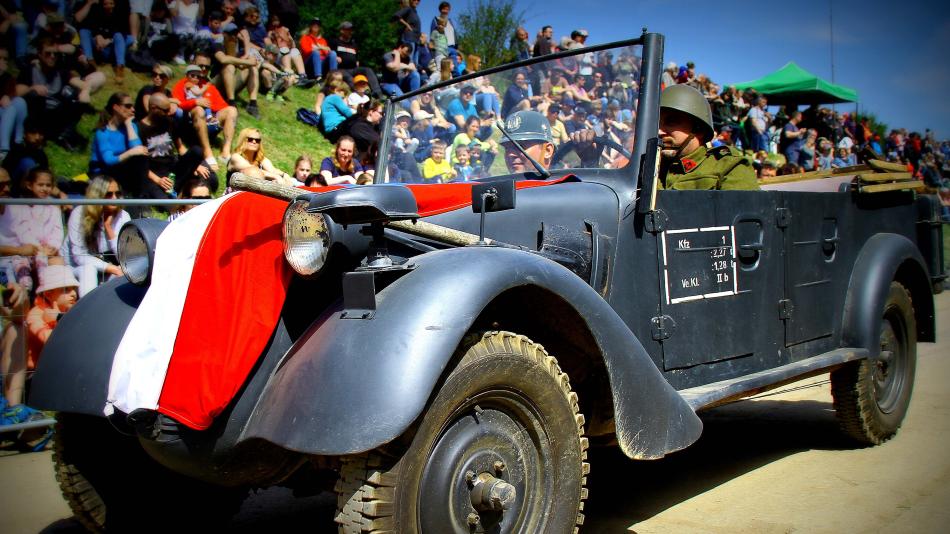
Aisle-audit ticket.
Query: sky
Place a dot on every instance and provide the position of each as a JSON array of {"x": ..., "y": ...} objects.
[{"x": 896, "y": 54}]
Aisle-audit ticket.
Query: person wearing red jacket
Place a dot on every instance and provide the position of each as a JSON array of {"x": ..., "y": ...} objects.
[
  {"x": 207, "y": 108},
  {"x": 317, "y": 53}
]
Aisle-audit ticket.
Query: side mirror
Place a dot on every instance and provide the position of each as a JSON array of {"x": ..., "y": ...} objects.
[{"x": 492, "y": 196}]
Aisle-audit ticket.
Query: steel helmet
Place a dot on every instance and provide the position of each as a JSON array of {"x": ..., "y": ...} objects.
[
  {"x": 528, "y": 125},
  {"x": 690, "y": 101}
]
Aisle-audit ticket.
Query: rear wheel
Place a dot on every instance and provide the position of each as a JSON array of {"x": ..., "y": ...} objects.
[
  {"x": 499, "y": 449},
  {"x": 112, "y": 485},
  {"x": 871, "y": 396}
]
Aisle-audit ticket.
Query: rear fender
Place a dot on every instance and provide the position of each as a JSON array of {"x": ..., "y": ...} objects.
[
  {"x": 73, "y": 373},
  {"x": 350, "y": 385},
  {"x": 885, "y": 258}
]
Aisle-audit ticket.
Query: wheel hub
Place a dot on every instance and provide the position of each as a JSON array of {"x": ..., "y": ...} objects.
[
  {"x": 888, "y": 372},
  {"x": 484, "y": 474}
]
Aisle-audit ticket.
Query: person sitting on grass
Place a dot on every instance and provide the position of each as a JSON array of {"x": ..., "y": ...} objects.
[
  {"x": 224, "y": 117},
  {"x": 249, "y": 159},
  {"x": 93, "y": 233},
  {"x": 341, "y": 168},
  {"x": 436, "y": 167}
]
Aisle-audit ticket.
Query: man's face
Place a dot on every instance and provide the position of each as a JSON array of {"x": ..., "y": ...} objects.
[
  {"x": 520, "y": 80},
  {"x": 768, "y": 172},
  {"x": 159, "y": 111},
  {"x": 48, "y": 57},
  {"x": 34, "y": 139},
  {"x": 346, "y": 33},
  {"x": 228, "y": 9},
  {"x": 467, "y": 97},
  {"x": 444, "y": 10},
  {"x": 204, "y": 63},
  {"x": 675, "y": 129},
  {"x": 548, "y": 33},
  {"x": 5, "y": 185},
  {"x": 108, "y": 5},
  {"x": 540, "y": 151},
  {"x": 764, "y": 103}
]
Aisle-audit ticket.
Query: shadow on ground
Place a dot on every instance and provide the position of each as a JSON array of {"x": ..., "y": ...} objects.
[{"x": 737, "y": 439}]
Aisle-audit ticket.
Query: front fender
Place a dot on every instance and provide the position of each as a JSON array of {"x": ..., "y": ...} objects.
[
  {"x": 350, "y": 385},
  {"x": 885, "y": 258},
  {"x": 73, "y": 372}
]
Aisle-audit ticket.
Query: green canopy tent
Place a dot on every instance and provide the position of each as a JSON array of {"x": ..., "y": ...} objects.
[{"x": 792, "y": 84}]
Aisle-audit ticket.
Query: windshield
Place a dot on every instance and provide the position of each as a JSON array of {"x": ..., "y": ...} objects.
[{"x": 451, "y": 133}]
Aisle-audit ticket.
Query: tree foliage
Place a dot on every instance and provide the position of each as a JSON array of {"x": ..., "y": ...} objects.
[
  {"x": 372, "y": 20},
  {"x": 485, "y": 29}
]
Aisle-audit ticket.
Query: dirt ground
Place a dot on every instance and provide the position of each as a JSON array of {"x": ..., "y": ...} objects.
[{"x": 776, "y": 464}]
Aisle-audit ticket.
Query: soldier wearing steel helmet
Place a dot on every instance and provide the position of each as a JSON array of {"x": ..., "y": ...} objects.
[
  {"x": 532, "y": 131},
  {"x": 685, "y": 128}
]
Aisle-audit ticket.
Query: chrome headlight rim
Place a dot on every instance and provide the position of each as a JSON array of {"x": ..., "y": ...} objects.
[
  {"x": 136, "y": 249},
  {"x": 306, "y": 238}
]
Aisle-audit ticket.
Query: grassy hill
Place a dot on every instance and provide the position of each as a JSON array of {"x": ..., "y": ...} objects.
[{"x": 285, "y": 138}]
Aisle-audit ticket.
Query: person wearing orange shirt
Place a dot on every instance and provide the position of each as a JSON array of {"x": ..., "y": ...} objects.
[{"x": 317, "y": 53}]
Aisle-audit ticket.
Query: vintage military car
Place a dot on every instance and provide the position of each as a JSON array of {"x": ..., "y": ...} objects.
[{"x": 443, "y": 354}]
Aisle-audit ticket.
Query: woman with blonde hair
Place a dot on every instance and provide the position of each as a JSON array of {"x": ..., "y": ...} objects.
[
  {"x": 248, "y": 158},
  {"x": 341, "y": 167},
  {"x": 92, "y": 233}
]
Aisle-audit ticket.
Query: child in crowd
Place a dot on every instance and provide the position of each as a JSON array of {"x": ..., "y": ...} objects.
[
  {"x": 302, "y": 168},
  {"x": 195, "y": 90},
  {"x": 360, "y": 88},
  {"x": 40, "y": 226},
  {"x": 475, "y": 159},
  {"x": 436, "y": 167},
  {"x": 56, "y": 295},
  {"x": 438, "y": 41},
  {"x": 402, "y": 141},
  {"x": 463, "y": 169}
]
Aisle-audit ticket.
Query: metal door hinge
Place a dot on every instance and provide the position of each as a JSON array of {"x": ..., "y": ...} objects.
[
  {"x": 662, "y": 327},
  {"x": 785, "y": 309},
  {"x": 782, "y": 217},
  {"x": 656, "y": 221}
]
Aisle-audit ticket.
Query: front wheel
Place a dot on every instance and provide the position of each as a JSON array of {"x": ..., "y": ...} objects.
[
  {"x": 500, "y": 449},
  {"x": 112, "y": 485},
  {"x": 871, "y": 396}
]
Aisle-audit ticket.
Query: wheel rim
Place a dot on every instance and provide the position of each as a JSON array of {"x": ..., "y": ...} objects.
[
  {"x": 497, "y": 435},
  {"x": 890, "y": 367}
]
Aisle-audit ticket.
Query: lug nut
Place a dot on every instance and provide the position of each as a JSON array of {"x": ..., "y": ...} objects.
[
  {"x": 499, "y": 466},
  {"x": 469, "y": 477},
  {"x": 473, "y": 519}
]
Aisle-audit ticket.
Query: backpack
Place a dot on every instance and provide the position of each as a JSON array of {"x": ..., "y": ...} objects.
[{"x": 308, "y": 117}]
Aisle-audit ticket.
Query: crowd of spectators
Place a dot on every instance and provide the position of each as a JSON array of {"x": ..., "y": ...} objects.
[{"x": 159, "y": 142}]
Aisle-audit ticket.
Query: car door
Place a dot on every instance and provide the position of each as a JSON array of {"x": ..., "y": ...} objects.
[{"x": 720, "y": 262}]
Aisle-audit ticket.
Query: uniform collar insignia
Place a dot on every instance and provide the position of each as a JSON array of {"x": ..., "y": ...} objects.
[{"x": 688, "y": 164}]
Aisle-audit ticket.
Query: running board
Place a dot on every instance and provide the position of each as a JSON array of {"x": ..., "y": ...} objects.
[{"x": 733, "y": 389}]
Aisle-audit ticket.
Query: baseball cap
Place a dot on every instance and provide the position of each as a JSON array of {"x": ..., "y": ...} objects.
[
  {"x": 582, "y": 32},
  {"x": 671, "y": 65},
  {"x": 192, "y": 68},
  {"x": 346, "y": 25},
  {"x": 421, "y": 115},
  {"x": 360, "y": 78},
  {"x": 315, "y": 20},
  {"x": 468, "y": 89},
  {"x": 54, "y": 18},
  {"x": 403, "y": 113}
]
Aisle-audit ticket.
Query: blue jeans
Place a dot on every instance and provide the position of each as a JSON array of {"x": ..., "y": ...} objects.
[
  {"x": 11, "y": 123},
  {"x": 488, "y": 102},
  {"x": 407, "y": 83},
  {"x": 115, "y": 51},
  {"x": 21, "y": 37},
  {"x": 315, "y": 64}
]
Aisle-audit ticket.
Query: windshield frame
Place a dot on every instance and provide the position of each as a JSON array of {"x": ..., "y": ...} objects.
[{"x": 381, "y": 175}]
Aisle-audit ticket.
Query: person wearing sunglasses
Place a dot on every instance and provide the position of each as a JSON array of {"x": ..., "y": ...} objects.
[
  {"x": 159, "y": 78},
  {"x": 92, "y": 234},
  {"x": 167, "y": 152},
  {"x": 248, "y": 158},
  {"x": 117, "y": 149}
]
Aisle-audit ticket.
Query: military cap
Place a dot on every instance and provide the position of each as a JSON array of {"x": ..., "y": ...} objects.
[
  {"x": 528, "y": 125},
  {"x": 690, "y": 101}
]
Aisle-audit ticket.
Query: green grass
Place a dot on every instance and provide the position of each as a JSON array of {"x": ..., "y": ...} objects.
[{"x": 285, "y": 138}]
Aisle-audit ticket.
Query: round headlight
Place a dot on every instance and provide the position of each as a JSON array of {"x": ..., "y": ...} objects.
[
  {"x": 136, "y": 248},
  {"x": 307, "y": 238}
]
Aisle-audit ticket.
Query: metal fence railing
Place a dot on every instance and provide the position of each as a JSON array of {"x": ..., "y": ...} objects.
[{"x": 18, "y": 326}]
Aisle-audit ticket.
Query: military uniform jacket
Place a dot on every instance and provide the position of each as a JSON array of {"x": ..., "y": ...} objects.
[{"x": 721, "y": 167}]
